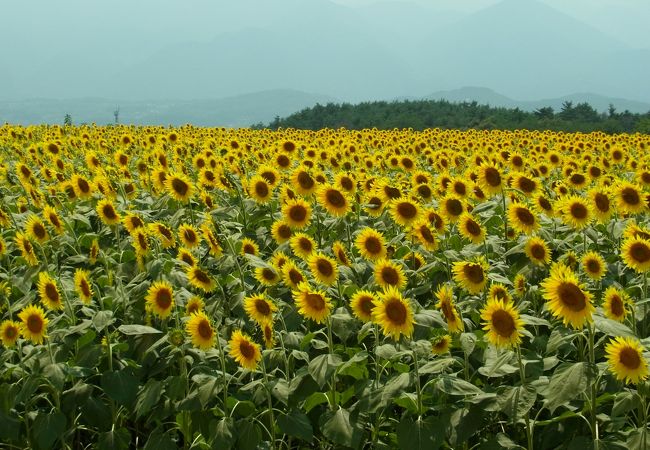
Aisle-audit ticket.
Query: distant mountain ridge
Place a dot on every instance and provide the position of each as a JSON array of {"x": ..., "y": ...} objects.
[{"x": 487, "y": 96}]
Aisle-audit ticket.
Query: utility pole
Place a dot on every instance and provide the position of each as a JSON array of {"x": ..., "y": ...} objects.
[{"x": 116, "y": 113}]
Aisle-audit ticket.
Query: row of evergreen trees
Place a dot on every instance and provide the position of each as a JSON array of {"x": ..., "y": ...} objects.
[{"x": 422, "y": 114}]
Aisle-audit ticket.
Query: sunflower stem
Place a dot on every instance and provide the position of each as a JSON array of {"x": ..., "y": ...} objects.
[
  {"x": 522, "y": 375},
  {"x": 505, "y": 218},
  {"x": 377, "y": 373},
  {"x": 270, "y": 403},
  {"x": 592, "y": 400},
  {"x": 644, "y": 322},
  {"x": 189, "y": 202},
  {"x": 418, "y": 389},
  {"x": 222, "y": 358},
  {"x": 330, "y": 344}
]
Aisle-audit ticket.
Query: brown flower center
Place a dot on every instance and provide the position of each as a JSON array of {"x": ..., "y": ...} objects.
[
  {"x": 525, "y": 216},
  {"x": 454, "y": 207},
  {"x": 247, "y": 350},
  {"x": 298, "y": 213},
  {"x": 262, "y": 307},
  {"x": 396, "y": 312},
  {"x": 503, "y": 323},
  {"x": 315, "y": 302},
  {"x": 630, "y": 196},
  {"x": 407, "y": 210},
  {"x": 324, "y": 267},
  {"x": 474, "y": 273},
  {"x": 579, "y": 211},
  {"x": 305, "y": 181},
  {"x": 34, "y": 324},
  {"x": 164, "y": 298},
  {"x": 493, "y": 177},
  {"x": 261, "y": 189},
  {"x": 616, "y": 305},
  {"x": 473, "y": 228},
  {"x": 629, "y": 358},
  {"x": 572, "y": 297},
  {"x": 390, "y": 276},
  {"x": 640, "y": 252},
  {"x": 179, "y": 186},
  {"x": 335, "y": 198}
]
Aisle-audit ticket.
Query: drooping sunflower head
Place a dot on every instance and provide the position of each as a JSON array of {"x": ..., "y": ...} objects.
[
  {"x": 626, "y": 360},
  {"x": 244, "y": 351},
  {"x": 267, "y": 333},
  {"x": 393, "y": 313},
  {"x": 160, "y": 299},
  {"x": 502, "y": 323},
  {"x": 441, "y": 344}
]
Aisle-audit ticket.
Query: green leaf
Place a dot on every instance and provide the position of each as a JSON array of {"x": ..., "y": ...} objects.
[
  {"x": 249, "y": 435},
  {"x": 468, "y": 342},
  {"x": 340, "y": 429},
  {"x": 121, "y": 386},
  {"x": 160, "y": 441},
  {"x": 611, "y": 327},
  {"x": 397, "y": 385},
  {"x": 456, "y": 386},
  {"x": 9, "y": 427},
  {"x": 568, "y": 381},
  {"x": 420, "y": 434},
  {"x": 224, "y": 434},
  {"x": 515, "y": 401},
  {"x": 117, "y": 439},
  {"x": 315, "y": 399},
  {"x": 209, "y": 386},
  {"x": 386, "y": 351},
  {"x": 497, "y": 364},
  {"x": 148, "y": 397},
  {"x": 47, "y": 428},
  {"x": 624, "y": 402},
  {"x": 437, "y": 365},
  {"x": 54, "y": 374},
  {"x": 639, "y": 439},
  {"x": 102, "y": 319},
  {"x": 135, "y": 330},
  {"x": 322, "y": 367},
  {"x": 296, "y": 424}
]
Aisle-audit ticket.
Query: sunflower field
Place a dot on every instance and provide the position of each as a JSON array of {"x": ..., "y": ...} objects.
[{"x": 211, "y": 288}]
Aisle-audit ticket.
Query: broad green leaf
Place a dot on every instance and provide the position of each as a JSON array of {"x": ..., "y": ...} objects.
[
  {"x": 624, "y": 402},
  {"x": 224, "y": 434},
  {"x": 420, "y": 434},
  {"x": 103, "y": 319},
  {"x": 9, "y": 427},
  {"x": 121, "y": 386},
  {"x": 296, "y": 424},
  {"x": 117, "y": 439},
  {"x": 468, "y": 342},
  {"x": 160, "y": 441},
  {"x": 340, "y": 429},
  {"x": 611, "y": 327},
  {"x": 322, "y": 367},
  {"x": 456, "y": 386},
  {"x": 47, "y": 428},
  {"x": 568, "y": 381},
  {"x": 135, "y": 330},
  {"x": 148, "y": 397},
  {"x": 515, "y": 401},
  {"x": 437, "y": 365},
  {"x": 249, "y": 435},
  {"x": 497, "y": 363}
]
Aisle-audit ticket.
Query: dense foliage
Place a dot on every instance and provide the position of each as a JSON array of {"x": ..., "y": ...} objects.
[
  {"x": 211, "y": 288},
  {"x": 421, "y": 114}
]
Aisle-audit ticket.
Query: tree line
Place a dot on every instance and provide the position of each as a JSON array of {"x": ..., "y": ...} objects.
[{"x": 421, "y": 114}]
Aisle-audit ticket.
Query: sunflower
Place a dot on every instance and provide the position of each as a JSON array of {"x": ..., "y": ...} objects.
[
  {"x": 26, "y": 248},
  {"x": 3, "y": 247},
  {"x": 291, "y": 275},
  {"x": 522, "y": 219},
  {"x": 502, "y": 323},
  {"x": 201, "y": 332},
  {"x": 629, "y": 198},
  {"x": 525, "y": 184},
  {"x": 635, "y": 252},
  {"x": 615, "y": 303},
  {"x": 179, "y": 186},
  {"x": 499, "y": 292},
  {"x": 33, "y": 324},
  {"x": 249, "y": 247},
  {"x": 520, "y": 284},
  {"x": 160, "y": 298},
  {"x": 303, "y": 182},
  {"x": 333, "y": 200},
  {"x": 445, "y": 297},
  {"x": 323, "y": 268},
  {"x": 490, "y": 179},
  {"x": 576, "y": 212},
  {"x": 260, "y": 190},
  {"x": 567, "y": 298},
  {"x": 471, "y": 276},
  {"x": 259, "y": 308},
  {"x": 537, "y": 251},
  {"x": 244, "y": 350},
  {"x": 389, "y": 274},
  {"x": 302, "y": 245},
  {"x": 107, "y": 213},
  {"x": 626, "y": 361},
  {"x": 371, "y": 244},
  {"x": 200, "y": 279},
  {"x": 451, "y": 209},
  {"x": 9, "y": 333},
  {"x": 49, "y": 292},
  {"x": 312, "y": 304},
  {"x": 441, "y": 344},
  {"x": 544, "y": 205},
  {"x": 83, "y": 188},
  {"x": 82, "y": 285},
  {"x": 471, "y": 229},
  {"x": 36, "y": 230},
  {"x": 93, "y": 252},
  {"x": 341, "y": 255},
  {"x": 268, "y": 276},
  {"x": 345, "y": 182},
  {"x": 267, "y": 332},
  {"x": 373, "y": 205},
  {"x": 163, "y": 233},
  {"x": 393, "y": 313},
  {"x": 4, "y": 218},
  {"x": 405, "y": 211},
  {"x": 425, "y": 235},
  {"x": 189, "y": 236},
  {"x": 601, "y": 205},
  {"x": 362, "y": 303},
  {"x": 186, "y": 257},
  {"x": 194, "y": 304},
  {"x": 594, "y": 265},
  {"x": 132, "y": 222},
  {"x": 297, "y": 213},
  {"x": 278, "y": 260}
]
